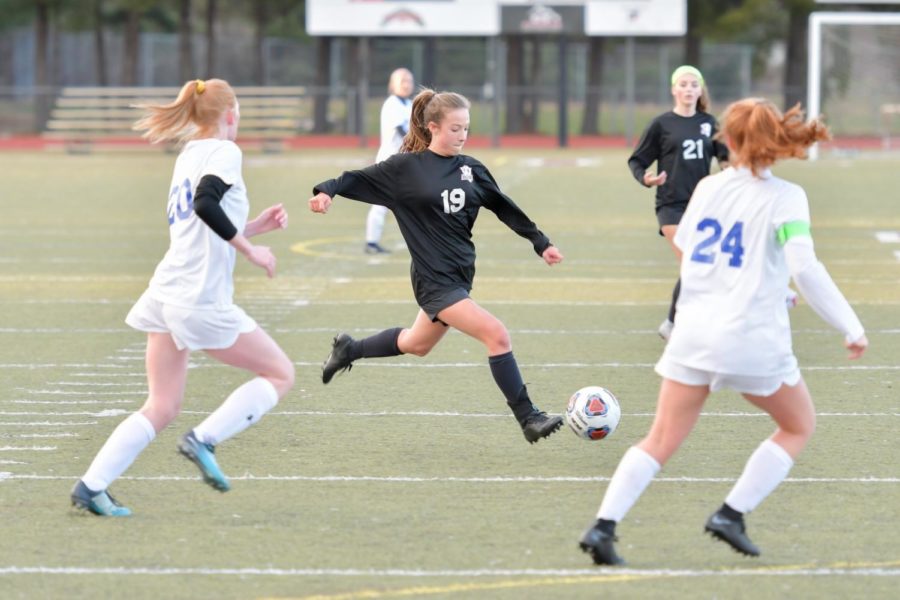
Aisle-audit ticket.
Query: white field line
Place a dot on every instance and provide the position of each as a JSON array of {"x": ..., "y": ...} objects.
[
  {"x": 116, "y": 412},
  {"x": 12, "y": 462},
  {"x": 436, "y": 479},
  {"x": 888, "y": 237},
  {"x": 427, "y": 365},
  {"x": 769, "y": 571},
  {"x": 47, "y": 423},
  {"x": 332, "y": 330},
  {"x": 27, "y": 448},
  {"x": 83, "y": 393},
  {"x": 57, "y": 402},
  {"x": 64, "y": 434},
  {"x": 411, "y": 303}
]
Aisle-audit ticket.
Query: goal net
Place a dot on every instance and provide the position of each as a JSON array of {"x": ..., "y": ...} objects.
[{"x": 854, "y": 78}]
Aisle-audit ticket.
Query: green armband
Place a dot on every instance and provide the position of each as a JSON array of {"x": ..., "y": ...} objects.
[{"x": 792, "y": 229}]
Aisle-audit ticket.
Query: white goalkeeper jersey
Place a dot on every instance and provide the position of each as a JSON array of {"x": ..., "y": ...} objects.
[
  {"x": 395, "y": 113},
  {"x": 197, "y": 269},
  {"x": 731, "y": 315}
]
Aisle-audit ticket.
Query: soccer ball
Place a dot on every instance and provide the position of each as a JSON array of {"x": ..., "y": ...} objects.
[{"x": 593, "y": 413}]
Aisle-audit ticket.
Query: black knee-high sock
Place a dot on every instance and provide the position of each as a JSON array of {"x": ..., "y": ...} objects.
[
  {"x": 506, "y": 373},
  {"x": 383, "y": 343},
  {"x": 675, "y": 293}
]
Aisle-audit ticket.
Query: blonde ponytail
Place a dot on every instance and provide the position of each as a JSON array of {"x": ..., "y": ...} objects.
[{"x": 194, "y": 113}]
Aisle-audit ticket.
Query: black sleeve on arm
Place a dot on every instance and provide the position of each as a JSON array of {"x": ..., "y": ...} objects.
[
  {"x": 646, "y": 152},
  {"x": 373, "y": 185},
  {"x": 508, "y": 212},
  {"x": 206, "y": 204}
]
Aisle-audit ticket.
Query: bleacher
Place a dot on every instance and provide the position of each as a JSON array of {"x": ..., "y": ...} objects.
[{"x": 83, "y": 116}]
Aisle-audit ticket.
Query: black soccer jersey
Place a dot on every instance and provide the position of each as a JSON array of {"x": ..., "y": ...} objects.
[
  {"x": 435, "y": 200},
  {"x": 684, "y": 148}
]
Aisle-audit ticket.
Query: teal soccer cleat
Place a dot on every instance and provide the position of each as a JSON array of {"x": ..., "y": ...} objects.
[
  {"x": 204, "y": 456},
  {"x": 98, "y": 503}
]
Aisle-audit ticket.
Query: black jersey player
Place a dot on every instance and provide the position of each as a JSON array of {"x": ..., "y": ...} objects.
[
  {"x": 682, "y": 143},
  {"x": 435, "y": 194}
]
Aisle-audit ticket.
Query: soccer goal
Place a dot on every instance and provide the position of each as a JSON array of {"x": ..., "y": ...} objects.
[{"x": 854, "y": 78}]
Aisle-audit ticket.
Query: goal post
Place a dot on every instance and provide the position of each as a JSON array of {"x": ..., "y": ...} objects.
[{"x": 818, "y": 21}]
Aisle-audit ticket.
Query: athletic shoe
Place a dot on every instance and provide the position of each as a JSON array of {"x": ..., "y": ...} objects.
[
  {"x": 665, "y": 329},
  {"x": 204, "y": 456},
  {"x": 339, "y": 359},
  {"x": 376, "y": 248},
  {"x": 600, "y": 545},
  {"x": 732, "y": 532},
  {"x": 99, "y": 503},
  {"x": 539, "y": 425}
]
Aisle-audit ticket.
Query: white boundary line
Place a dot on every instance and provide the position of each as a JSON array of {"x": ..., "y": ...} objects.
[
  {"x": 418, "y": 365},
  {"x": 421, "y": 573},
  {"x": 498, "y": 479}
]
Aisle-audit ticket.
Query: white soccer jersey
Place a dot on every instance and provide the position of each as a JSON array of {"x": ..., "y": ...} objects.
[
  {"x": 731, "y": 315},
  {"x": 197, "y": 269},
  {"x": 395, "y": 112}
]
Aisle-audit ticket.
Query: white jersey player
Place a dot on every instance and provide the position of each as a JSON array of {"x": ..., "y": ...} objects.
[
  {"x": 395, "y": 114},
  {"x": 188, "y": 304},
  {"x": 744, "y": 234}
]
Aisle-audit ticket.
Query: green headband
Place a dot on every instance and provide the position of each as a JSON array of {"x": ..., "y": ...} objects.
[{"x": 686, "y": 70}]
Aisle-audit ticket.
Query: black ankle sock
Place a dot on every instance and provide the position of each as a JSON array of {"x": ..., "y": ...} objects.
[
  {"x": 606, "y": 526},
  {"x": 675, "y": 293},
  {"x": 508, "y": 378},
  {"x": 383, "y": 343},
  {"x": 730, "y": 513}
]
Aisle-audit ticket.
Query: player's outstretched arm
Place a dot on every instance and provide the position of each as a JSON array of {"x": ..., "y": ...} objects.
[
  {"x": 320, "y": 203},
  {"x": 552, "y": 255},
  {"x": 270, "y": 219}
]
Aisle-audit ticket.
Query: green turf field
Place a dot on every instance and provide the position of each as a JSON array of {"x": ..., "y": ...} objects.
[{"x": 406, "y": 477}]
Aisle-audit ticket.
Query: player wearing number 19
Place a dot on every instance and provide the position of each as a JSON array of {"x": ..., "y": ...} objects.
[
  {"x": 435, "y": 193},
  {"x": 743, "y": 235}
]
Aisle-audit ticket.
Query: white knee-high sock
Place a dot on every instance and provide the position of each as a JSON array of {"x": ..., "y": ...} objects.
[
  {"x": 244, "y": 407},
  {"x": 635, "y": 472},
  {"x": 767, "y": 467},
  {"x": 123, "y": 446}
]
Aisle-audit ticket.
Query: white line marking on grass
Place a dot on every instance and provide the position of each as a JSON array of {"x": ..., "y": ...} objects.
[
  {"x": 47, "y": 423},
  {"x": 112, "y": 412},
  {"x": 27, "y": 448},
  {"x": 498, "y": 479},
  {"x": 422, "y": 413},
  {"x": 84, "y": 393},
  {"x": 64, "y": 434},
  {"x": 55, "y": 402},
  {"x": 58, "y": 330},
  {"x": 422, "y": 573},
  {"x": 888, "y": 237},
  {"x": 398, "y": 365},
  {"x": 12, "y": 462}
]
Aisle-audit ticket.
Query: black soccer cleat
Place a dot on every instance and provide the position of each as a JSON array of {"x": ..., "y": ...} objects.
[
  {"x": 732, "y": 532},
  {"x": 539, "y": 425},
  {"x": 601, "y": 546},
  {"x": 339, "y": 359},
  {"x": 376, "y": 248}
]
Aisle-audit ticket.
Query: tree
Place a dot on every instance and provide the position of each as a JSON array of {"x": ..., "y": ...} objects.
[{"x": 796, "y": 77}]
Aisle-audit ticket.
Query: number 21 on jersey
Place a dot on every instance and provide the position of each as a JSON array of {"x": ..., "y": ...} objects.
[{"x": 705, "y": 251}]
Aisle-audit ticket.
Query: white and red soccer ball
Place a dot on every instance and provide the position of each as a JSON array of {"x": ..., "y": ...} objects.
[{"x": 593, "y": 413}]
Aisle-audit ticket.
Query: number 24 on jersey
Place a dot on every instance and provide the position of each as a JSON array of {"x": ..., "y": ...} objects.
[{"x": 705, "y": 251}]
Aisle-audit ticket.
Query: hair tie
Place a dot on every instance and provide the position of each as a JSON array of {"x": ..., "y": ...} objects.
[{"x": 201, "y": 86}]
